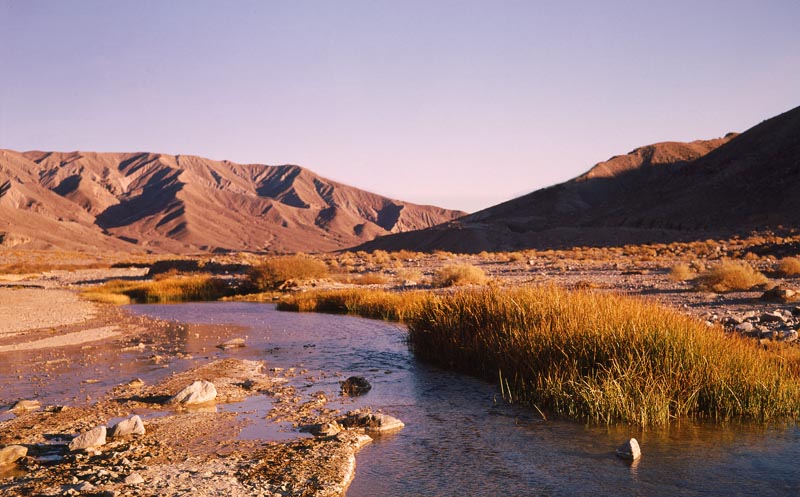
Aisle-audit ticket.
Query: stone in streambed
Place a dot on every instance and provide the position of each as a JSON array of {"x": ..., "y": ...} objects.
[
  {"x": 133, "y": 479},
  {"x": 629, "y": 450},
  {"x": 25, "y": 405},
  {"x": 127, "y": 427},
  {"x": 95, "y": 437},
  {"x": 233, "y": 343},
  {"x": 372, "y": 423},
  {"x": 355, "y": 385},
  {"x": 12, "y": 454},
  {"x": 199, "y": 392}
]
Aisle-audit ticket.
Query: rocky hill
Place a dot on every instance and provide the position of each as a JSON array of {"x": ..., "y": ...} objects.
[
  {"x": 657, "y": 193},
  {"x": 180, "y": 203}
]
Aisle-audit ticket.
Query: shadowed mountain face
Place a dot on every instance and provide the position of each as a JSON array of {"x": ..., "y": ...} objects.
[
  {"x": 84, "y": 200},
  {"x": 659, "y": 193}
]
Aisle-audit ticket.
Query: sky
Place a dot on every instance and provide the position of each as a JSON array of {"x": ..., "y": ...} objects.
[{"x": 461, "y": 104}]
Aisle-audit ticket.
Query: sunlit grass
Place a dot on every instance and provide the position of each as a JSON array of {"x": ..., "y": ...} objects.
[
  {"x": 585, "y": 355},
  {"x": 729, "y": 276},
  {"x": 172, "y": 289}
]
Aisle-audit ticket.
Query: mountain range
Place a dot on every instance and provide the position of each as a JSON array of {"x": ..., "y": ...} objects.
[
  {"x": 183, "y": 203},
  {"x": 663, "y": 192}
]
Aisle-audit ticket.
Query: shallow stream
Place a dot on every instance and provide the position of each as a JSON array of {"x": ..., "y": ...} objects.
[{"x": 460, "y": 437}]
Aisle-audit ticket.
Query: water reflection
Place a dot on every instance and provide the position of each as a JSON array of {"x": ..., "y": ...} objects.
[{"x": 458, "y": 440}]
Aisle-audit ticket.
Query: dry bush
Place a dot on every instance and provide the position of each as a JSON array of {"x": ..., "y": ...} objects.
[
  {"x": 459, "y": 275},
  {"x": 277, "y": 271},
  {"x": 172, "y": 289},
  {"x": 681, "y": 272},
  {"x": 789, "y": 266},
  {"x": 729, "y": 276},
  {"x": 414, "y": 275},
  {"x": 370, "y": 279}
]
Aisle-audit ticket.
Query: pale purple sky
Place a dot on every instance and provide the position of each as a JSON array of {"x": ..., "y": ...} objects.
[{"x": 455, "y": 103}]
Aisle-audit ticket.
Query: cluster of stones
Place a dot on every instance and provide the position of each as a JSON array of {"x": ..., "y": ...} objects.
[{"x": 780, "y": 324}]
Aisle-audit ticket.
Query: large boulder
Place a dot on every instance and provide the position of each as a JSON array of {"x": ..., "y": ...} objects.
[
  {"x": 89, "y": 440},
  {"x": 780, "y": 294},
  {"x": 355, "y": 385},
  {"x": 12, "y": 454},
  {"x": 629, "y": 450},
  {"x": 199, "y": 392},
  {"x": 127, "y": 427}
]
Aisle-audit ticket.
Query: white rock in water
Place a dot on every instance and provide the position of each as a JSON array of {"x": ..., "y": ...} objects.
[
  {"x": 198, "y": 392},
  {"x": 126, "y": 427},
  {"x": 25, "y": 405},
  {"x": 629, "y": 450},
  {"x": 92, "y": 438},
  {"x": 12, "y": 454},
  {"x": 233, "y": 343}
]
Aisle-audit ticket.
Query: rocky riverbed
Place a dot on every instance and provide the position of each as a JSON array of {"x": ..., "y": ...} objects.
[{"x": 186, "y": 448}]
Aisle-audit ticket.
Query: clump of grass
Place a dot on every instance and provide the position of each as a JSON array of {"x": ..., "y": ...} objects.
[
  {"x": 789, "y": 266},
  {"x": 681, "y": 272},
  {"x": 414, "y": 275},
  {"x": 370, "y": 279},
  {"x": 605, "y": 358},
  {"x": 277, "y": 272},
  {"x": 459, "y": 275},
  {"x": 729, "y": 276},
  {"x": 379, "y": 304},
  {"x": 172, "y": 289}
]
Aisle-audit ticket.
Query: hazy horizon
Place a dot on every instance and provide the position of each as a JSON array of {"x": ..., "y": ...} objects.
[{"x": 456, "y": 104}]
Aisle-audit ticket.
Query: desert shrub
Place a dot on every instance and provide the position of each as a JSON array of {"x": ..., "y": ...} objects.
[
  {"x": 681, "y": 272},
  {"x": 414, "y": 275},
  {"x": 275, "y": 272},
  {"x": 788, "y": 266},
  {"x": 370, "y": 279},
  {"x": 459, "y": 275},
  {"x": 729, "y": 276}
]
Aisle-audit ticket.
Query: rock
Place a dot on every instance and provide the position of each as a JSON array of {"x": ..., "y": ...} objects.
[
  {"x": 12, "y": 454},
  {"x": 324, "y": 429},
  {"x": 796, "y": 311},
  {"x": 233, "y": 343},
  {"x": 127, "y": 427},
  {"x": 85, "y": 487},
  {"x": 789, "y": 336},
  {"x": 408, "y": 283},
  {"x": 89, "y": 440},
  {"x": 629, "y": 450},
  {"x": 25, "y": 405},
  {"x": 744, "y": 327},
  {"x": 780, "y": 294},
  {"x": 199, "y": 392},
  {"x": 133, "y": 479},
  {"x": 355, "y": 385},
  {"x": 136, "y": 383},
  {"x": 372, "y": 423},
  {"x": 772, "y": 317}
]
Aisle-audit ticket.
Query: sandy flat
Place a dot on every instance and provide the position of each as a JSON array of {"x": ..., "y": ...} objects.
[
  {"x": 35, "y": 308},
  {"x": 64, "y": 340}
]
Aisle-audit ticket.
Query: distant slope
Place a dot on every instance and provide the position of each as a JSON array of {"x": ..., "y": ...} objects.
[
  {"x": 662, "y": 192},
  {"x": 186, "y": 203}
]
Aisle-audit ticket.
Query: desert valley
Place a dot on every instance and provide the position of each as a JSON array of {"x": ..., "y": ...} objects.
[{"x": 172, "y": 325}]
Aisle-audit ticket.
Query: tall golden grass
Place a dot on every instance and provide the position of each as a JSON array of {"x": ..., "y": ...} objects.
[
  {"x": 170, "y": 289},
  {"x": 789, "y": 266},
  {"x": 459, "y": 275},
  {"x": 596, "y": 357},
  {"x": 379, "y": 304},
  {"x": 605, "y": 358}
]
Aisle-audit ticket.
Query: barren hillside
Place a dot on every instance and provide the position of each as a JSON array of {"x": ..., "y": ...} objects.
[
  {"x": 185, "y": 204},
  {"x": 661, "y": 192}
]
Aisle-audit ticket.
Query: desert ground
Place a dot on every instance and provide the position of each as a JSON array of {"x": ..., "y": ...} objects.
[{"x": 57, "y": 317}]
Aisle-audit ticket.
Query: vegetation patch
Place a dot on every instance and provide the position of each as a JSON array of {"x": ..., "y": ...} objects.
[
  {"x": 605, "y": 358},
  {"x": 459, "y": 275},
  {"x": 789, "y": 266},
  {"x": 172, "y": 289},
  {"x": 378, "y": 304},
  {"x": 277, "y": 272},
  {"x": 729, "y": 276}
]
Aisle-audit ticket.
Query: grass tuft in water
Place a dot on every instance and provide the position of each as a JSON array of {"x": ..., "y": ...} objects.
[{"x": 171, "y": 289}]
